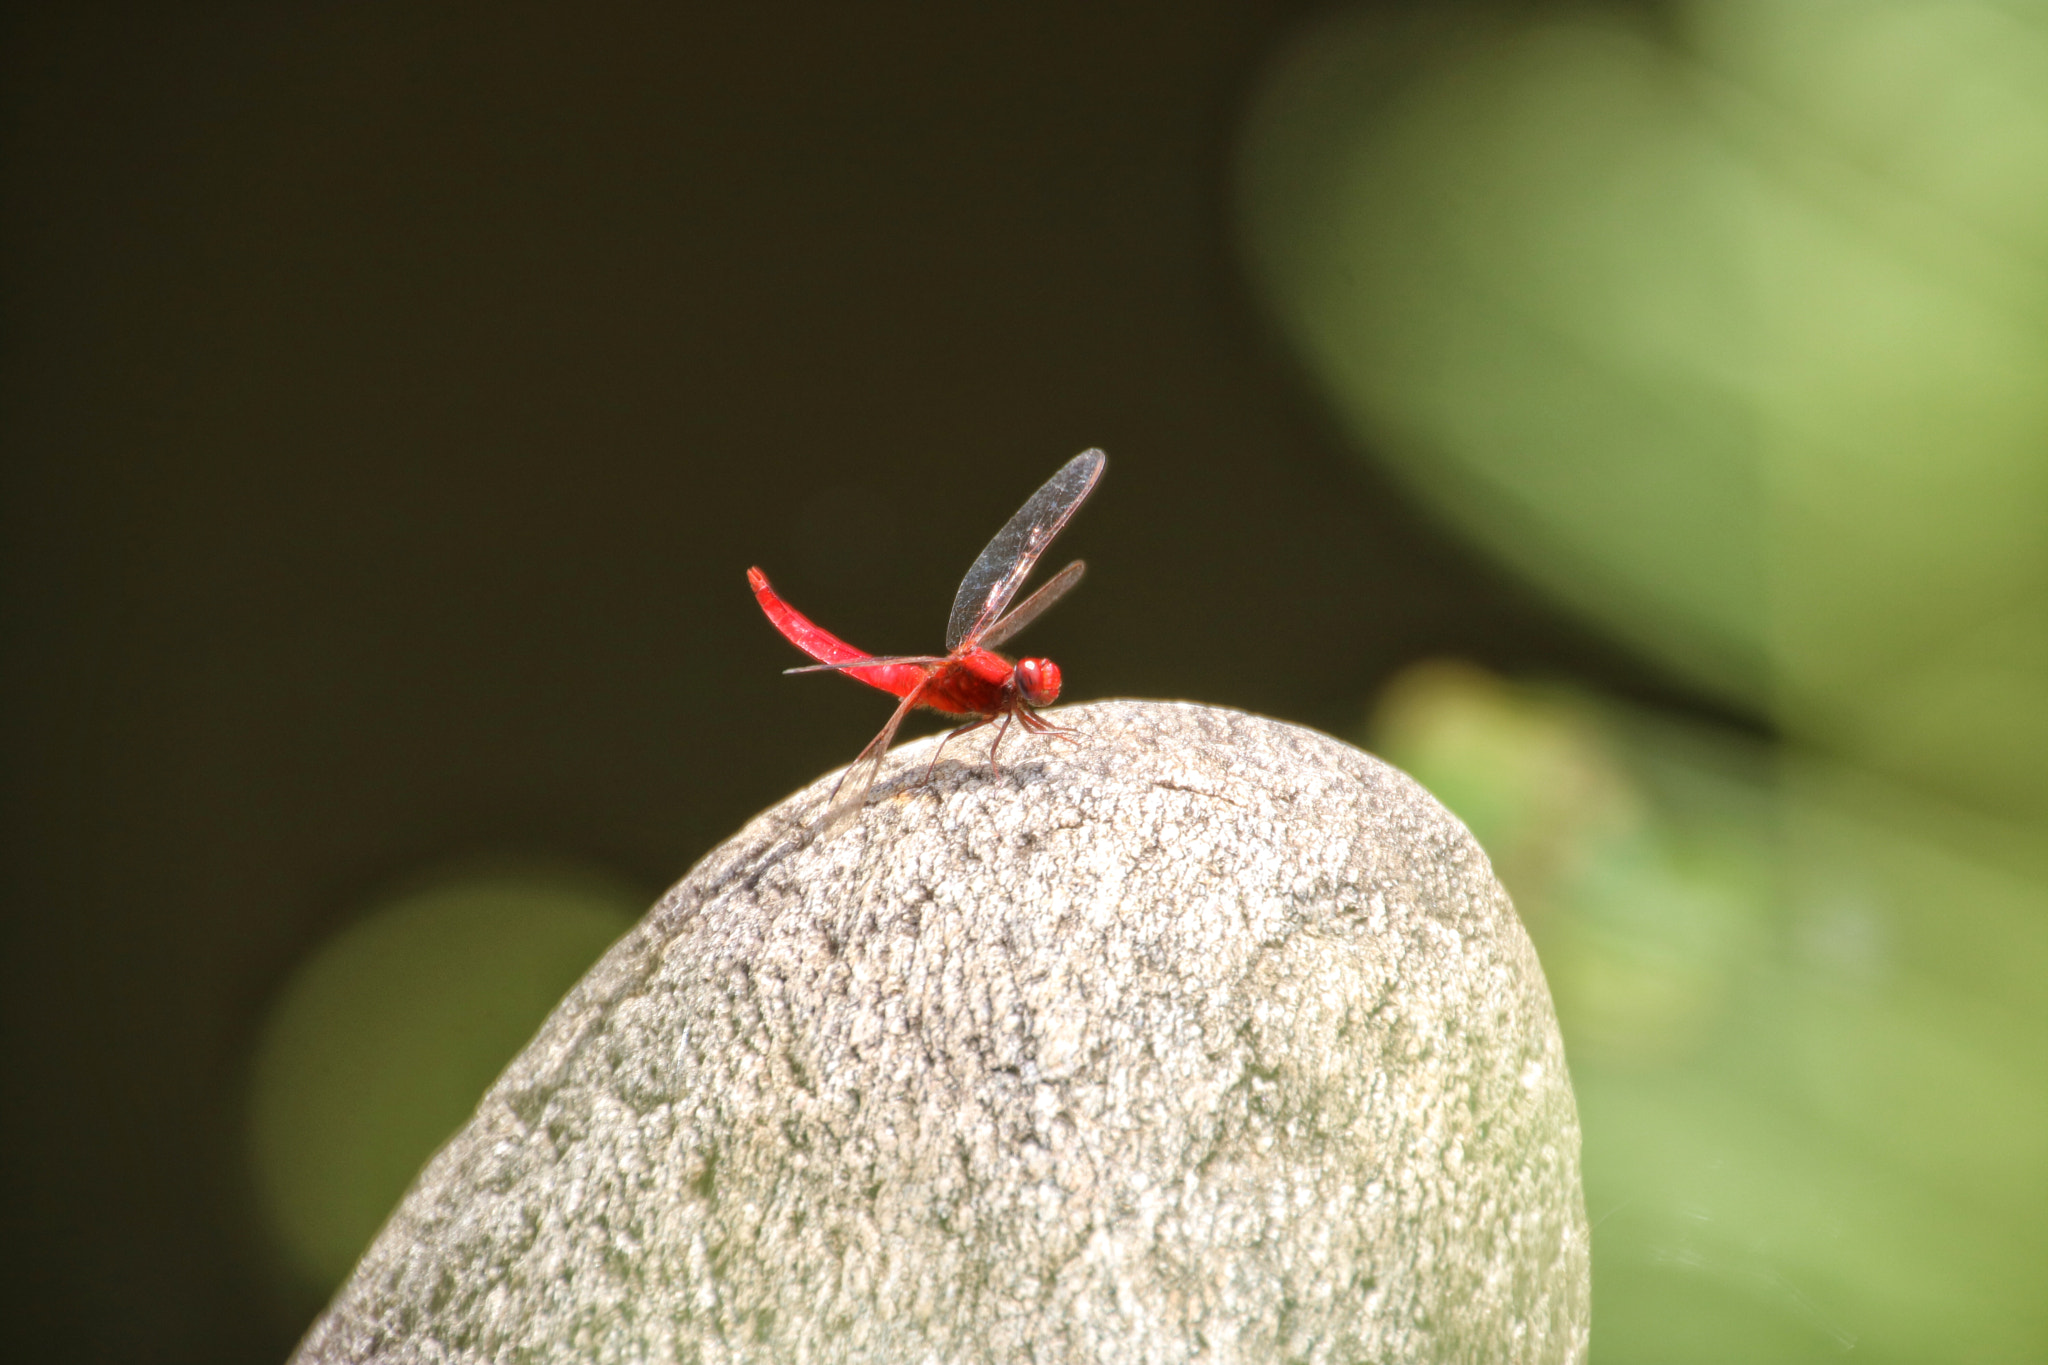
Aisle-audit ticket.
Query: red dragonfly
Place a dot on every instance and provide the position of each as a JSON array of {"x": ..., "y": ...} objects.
[{"x": 969, "y": 679}]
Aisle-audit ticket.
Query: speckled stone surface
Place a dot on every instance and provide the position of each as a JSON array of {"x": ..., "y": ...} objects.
[{"x": 1210, "y": 1038}]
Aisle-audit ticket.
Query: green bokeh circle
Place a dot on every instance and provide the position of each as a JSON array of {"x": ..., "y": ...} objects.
[{"x": 381, "y": 1044}]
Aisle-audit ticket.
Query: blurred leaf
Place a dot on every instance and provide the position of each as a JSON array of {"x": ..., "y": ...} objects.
[
  {"x": 1729, "y": 332},
  {"x": 1807, "y": 1015}
]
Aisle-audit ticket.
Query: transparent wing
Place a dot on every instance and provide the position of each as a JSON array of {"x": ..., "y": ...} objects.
[
  {"x": 852, "y": 792},
  {"x": 887, "y": 660},
  {"x": 1008, "y": 559},
  {"x": 1033, "y": 606}
]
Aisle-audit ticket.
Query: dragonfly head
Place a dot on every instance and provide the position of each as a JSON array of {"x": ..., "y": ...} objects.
[{"x": 1038, "y": 681}]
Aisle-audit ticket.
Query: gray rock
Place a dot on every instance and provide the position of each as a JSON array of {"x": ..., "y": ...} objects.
[{"x": 1208, "y": 1038}]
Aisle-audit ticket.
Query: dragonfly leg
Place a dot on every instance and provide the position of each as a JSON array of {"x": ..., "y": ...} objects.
[
  {"x": 852, "y": 792},
  {"x": 1003, "y": 729},
  {"x": 1040, "y": 725},
  {"x": 952, "y": 735}
]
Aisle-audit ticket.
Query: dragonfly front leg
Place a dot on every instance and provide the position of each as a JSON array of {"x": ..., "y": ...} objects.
[{"x": 1038, "y": 724}]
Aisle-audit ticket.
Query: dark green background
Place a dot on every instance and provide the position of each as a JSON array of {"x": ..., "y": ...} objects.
[{"x": 393, "y": 397}]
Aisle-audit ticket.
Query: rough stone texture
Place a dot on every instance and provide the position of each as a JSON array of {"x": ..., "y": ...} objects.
[{"x": 1211, "y": 1038}]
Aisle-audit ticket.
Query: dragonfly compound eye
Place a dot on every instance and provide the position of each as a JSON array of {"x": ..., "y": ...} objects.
[{"x": 1038, "y": 680}]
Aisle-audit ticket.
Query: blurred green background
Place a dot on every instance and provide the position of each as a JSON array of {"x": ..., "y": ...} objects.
[
  {"x": 1726, "y": 323},
  {"x": 1631, "y": 419}
]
